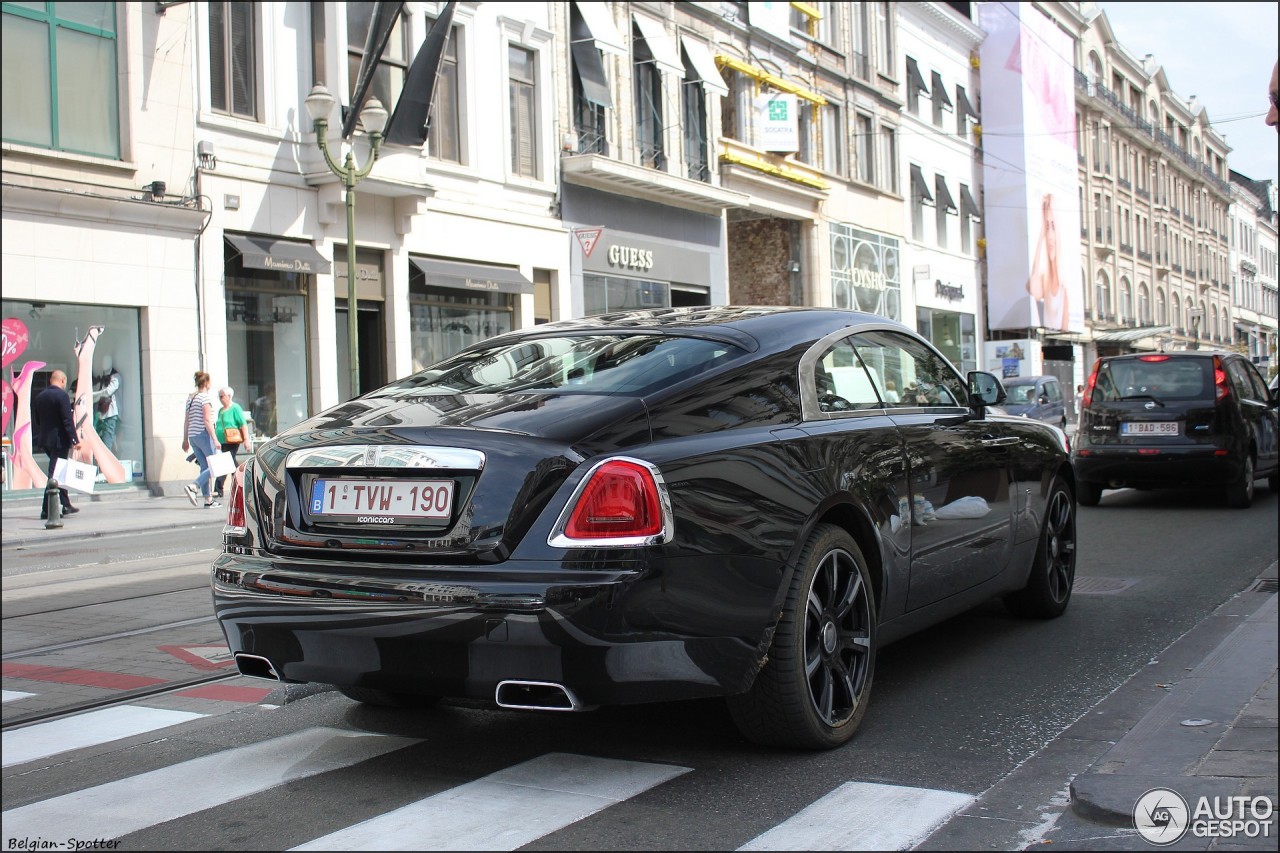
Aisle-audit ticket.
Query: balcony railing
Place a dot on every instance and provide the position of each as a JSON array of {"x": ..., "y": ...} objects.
[
  {"x": 1124, "y": 183},
  {"x": 1144, "y": 194},
  {"x": 1127, "y": 248},
  {"x": 1144, "y": 256}
]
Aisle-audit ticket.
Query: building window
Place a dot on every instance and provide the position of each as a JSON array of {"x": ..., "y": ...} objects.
[
  {"x": 606, "y": 294},
  {"x": 648, "y": 94},
  {"x": 941, "y": 100},
  {"x": 886, "y": 61},
  {"x": 694, "y": 107},
  {"x": 60, "y": 77},
  {"x": 889, "y": 158},
  {"x": 865, "y": 147},
  {"x": 591, "y": 96},
  {"x": 388, "y": 77},
  {"x": 233, "y": 51},
  {"x": 444, "y": 127},
  {"x": 523, "y": 91},
  {"x": 832, "y": 139}
]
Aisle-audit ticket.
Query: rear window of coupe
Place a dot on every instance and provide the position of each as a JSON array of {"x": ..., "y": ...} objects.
[{"x": 628, "y": 365}]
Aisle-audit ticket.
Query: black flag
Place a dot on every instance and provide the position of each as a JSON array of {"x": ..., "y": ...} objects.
[
  {"x": 381, "y": 22},
  {"x": 408, "y": 124}
]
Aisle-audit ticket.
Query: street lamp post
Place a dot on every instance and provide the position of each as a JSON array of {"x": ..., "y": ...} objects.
[{"x": 374, "y": 118}]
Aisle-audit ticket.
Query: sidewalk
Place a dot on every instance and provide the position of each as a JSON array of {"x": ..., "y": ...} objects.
[{"x": 111, "y": 513}]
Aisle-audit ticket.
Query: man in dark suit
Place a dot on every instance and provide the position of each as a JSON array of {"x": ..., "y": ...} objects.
[{"x": 55, "y": 431}]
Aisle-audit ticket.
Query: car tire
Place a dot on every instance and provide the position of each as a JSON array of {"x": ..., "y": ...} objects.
[
  {"x": 1088, "y": 494},
  {"x": 1053, "y": 571},
  {"x": 387, "y": 698},
  {"x": 1240, "y": 493},
  {"x": 813, "y": 689}
]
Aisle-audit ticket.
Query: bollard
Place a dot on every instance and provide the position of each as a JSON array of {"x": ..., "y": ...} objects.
[{"x": 52, "y": 505}]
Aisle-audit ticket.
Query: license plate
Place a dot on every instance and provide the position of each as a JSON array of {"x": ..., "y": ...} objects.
[
  {"x": 1149, "y": 428},
  {"x": 382, "y": 499}
]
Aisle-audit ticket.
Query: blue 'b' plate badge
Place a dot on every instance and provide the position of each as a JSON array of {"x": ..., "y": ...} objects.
[{"x": 317, "y": 496}]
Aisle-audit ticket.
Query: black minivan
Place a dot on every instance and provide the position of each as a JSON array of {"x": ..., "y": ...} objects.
[{"x": 1178, "y": 419}]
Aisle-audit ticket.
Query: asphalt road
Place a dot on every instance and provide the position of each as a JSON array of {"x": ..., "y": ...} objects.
[{"x": 954, "y": 709}]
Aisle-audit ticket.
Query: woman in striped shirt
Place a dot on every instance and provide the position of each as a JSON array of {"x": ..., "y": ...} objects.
[{"x": 200, "y": 437}]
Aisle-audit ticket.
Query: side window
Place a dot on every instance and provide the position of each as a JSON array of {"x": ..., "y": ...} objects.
[
  {"x": 1239, "y": 373},
  {"x": 1054, "y": 390},
  {"x": 842, "y": 382},
  {"x": 910, "y": 374}
]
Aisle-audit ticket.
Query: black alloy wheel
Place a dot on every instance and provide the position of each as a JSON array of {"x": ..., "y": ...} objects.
[
  {"x": 813, "y": 689},
  {"x": 1053, "y": 572}
]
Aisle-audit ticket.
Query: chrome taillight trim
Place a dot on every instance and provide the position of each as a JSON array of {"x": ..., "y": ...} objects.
[
  {"x": 558, "y": 539},
  {"x": 386, "y": 456}
]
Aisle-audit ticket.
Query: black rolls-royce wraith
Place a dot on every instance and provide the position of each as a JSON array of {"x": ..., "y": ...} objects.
[{"x": 650, "y": 506}]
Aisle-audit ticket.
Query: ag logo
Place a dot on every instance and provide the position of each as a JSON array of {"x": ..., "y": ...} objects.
[{"x": 1161, "y": 816}]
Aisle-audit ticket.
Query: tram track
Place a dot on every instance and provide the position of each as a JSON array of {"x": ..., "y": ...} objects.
[{"x": 122, "y": 697}]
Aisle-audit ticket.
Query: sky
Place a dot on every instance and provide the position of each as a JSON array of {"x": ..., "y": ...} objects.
[{"x": 1221, "y": 52}]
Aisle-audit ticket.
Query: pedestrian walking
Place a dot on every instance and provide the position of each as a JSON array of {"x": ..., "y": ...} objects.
[
  {"x": 232, "y": 429},
  {"x": 200, "y": 436},
  {"x": 55, "y": 431}
]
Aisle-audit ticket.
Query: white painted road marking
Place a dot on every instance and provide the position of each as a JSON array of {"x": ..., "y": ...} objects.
[
  {"x": 507, "y": 809},
  {"x": 14, "y": 695},
  {"x": 864, "y": 816},
  {"x": 96, "y": 727},
  {"x": 118, "y": 808}
]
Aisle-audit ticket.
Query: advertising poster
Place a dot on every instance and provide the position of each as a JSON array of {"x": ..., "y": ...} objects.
[
  {"x": 1030, "y": 173},
  {"x": 779, "y": 123}
]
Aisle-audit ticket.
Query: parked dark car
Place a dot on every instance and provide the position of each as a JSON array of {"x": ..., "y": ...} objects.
[
  {"x": 1179, "y": 419},
  {"x": 644, "y": 507},
  {"x": 1036, "y": 397}
]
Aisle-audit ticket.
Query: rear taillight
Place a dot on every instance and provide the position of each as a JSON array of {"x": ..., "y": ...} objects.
[
  {"x": 620, "y": 502},
  {"x": 235, "y": 504},
  {"x": 1089, "y": 386},
  {"x": 1220, "y": 380}
]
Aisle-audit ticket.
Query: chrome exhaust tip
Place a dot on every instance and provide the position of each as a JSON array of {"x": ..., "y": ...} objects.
[
  {"x": 536, "y": 696},
  {"x": 256, "y": 666}
]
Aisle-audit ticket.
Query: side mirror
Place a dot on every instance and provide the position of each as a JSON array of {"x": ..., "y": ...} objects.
[
  {"x": 1043, "y": 399},
  {"x": 985, "y": 389}
]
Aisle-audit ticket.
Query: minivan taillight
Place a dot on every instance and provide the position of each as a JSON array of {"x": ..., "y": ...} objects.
[
  {"x": 621, "y": 502},
  {"x": 235, "y": 504},
  {"x": 1089, "y": 386},
  {"x": 1220, "y": 380}
]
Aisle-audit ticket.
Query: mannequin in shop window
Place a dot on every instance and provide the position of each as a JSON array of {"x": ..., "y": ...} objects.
[{"x": 106, "y": 386}]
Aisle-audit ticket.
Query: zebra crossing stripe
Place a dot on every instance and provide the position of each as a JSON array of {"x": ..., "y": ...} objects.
[
  {"x": 118, "y": 808},
  {"x": 96, "y": 727},
  {"x": 864, "y": 816},
  {"x": 507, "y": 809},
  {"x": 13, "y": 695}
]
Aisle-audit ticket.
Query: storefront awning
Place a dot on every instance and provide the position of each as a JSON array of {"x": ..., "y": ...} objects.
[
  {"x": 269, "y": 253},
  {"x": 914, "y": 78},
  {"x": 945, "y": 201},
  {"x": 661, "y": 47},
  {"x": 966, "y": 108},
  {"x": 473, "y": 276},
  {"x": 704, "y": 67},
  {"x": 919, "y": 188},
  {"x": 590, "y": 70},
  {"x": 770, "y": 79},
  {"x": 1126, "y": 336},
  {"x": 940, "y": 91},
  {"x": 968, "y": 207},
  {"x": 599, "y": 21}
]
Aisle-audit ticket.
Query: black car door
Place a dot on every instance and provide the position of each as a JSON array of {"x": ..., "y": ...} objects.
[
  {"x": 959, "y": 507},
  {"x": 1260, "y": 417}
]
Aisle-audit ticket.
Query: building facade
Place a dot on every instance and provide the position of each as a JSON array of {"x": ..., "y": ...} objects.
[{"x": 1253, "y": 270}]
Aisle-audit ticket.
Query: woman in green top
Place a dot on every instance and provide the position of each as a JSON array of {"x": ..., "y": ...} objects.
[{"x": 230, "y": 415}]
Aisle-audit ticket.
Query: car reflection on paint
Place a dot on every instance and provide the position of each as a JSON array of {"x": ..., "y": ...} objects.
[{"x": 643, "y": 507}]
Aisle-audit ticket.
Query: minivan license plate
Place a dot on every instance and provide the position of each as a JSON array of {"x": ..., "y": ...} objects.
[
  {"x": 1149, "y": 428},
  {"x": 409, "y": 499}
]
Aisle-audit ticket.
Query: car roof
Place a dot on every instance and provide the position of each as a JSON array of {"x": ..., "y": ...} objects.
[
  {"x": 767, "y": 328},
  {"x": 1026, "y": 380},
  {"x": 1201, "y": 353}
]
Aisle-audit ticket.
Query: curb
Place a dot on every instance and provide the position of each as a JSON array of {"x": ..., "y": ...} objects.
[
  {"x": 62, "y": 533},
  {"x": 1164, "y": 749}
]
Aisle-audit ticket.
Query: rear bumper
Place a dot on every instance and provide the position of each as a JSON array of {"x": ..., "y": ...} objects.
[
  {"x": 610, "y": 637},
  {"x": 1170, "y": 468}
]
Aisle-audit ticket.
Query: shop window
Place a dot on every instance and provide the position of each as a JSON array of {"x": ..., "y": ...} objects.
[
  {"x": 60, "y": 77},
  {"x": 99, "y": 349},
  {"x": 267, "y": 344},
  {"x": 606, "y": 294},
  {"x": 444, "y": 320}
]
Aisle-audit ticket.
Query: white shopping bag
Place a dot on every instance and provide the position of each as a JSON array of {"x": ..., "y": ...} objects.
[
  {"x": 71, "y": 474},
  {"x": 221, "y": 464}
]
